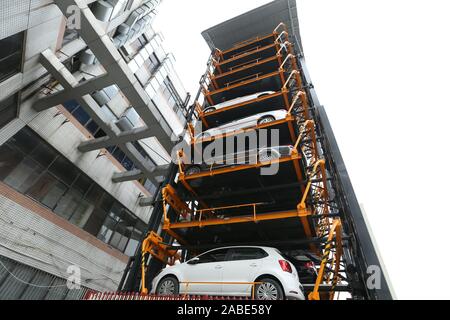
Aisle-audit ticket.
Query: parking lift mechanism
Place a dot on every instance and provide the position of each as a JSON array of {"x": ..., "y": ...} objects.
[
  {"x": 318, "y": 220},
  {"x": 315, "y": 188}
]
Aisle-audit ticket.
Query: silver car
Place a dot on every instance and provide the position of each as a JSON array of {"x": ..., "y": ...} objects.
[
  {"x": 233, "y": 271},
  {"x": 237, "y": 101},
  {"x": 244, "y": 123}
]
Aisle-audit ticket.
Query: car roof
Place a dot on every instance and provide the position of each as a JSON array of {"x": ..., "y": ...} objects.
[{"x": 237, "y": 247}]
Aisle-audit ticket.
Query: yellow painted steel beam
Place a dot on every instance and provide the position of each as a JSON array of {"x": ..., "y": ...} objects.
[
  {"x": 248, "y": 66},
  {"x": 237, "y": 168},
  {"x": 248, "y": 42},
  {"x": 243, "y": 55},
  {"x": 236, "y": 220}
]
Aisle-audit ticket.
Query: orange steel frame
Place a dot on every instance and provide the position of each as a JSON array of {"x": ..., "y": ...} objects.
[
  {"x": 258, "y": 62},
  {"x": 208, "y": 94},
  {"x": 153, "y": 245},
  {"x": 295, "y": 157},
  {"x": 254, "y": 78},
  {"x": 220, "y": 64},
  {"x": 247, "y": 43},
  {"x": 204, "y": 117}
]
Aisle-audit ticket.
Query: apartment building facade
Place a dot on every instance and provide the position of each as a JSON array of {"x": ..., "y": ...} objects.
[{"x": 90, "y": 106}]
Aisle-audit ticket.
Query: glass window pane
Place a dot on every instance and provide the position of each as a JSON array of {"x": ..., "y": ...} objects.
[
  {"x": 24, "y": 175},
  {"x": 99, "y": 134},
  {"x": 82, "y": 214},
  {"x": 44, "y": 155},
  {"x": 107, "y": 230},
  {"x": 106, "y": 202},
  {"x": 25, "y": 140},
  {"x": 136, "y": 237},
  {"x": 81, "y": 116},
  {"x": 94, "y": 195},
  {"x": 11, "y": 45},
  {"x": 92, "y": 127},
  {"x": 68, "y": 204},
  {"x": 119, "y": 155},
  {"x": 246, "y": 254},
  {"x": 82, "y": 184},
  {"x": 213, "y": 256},
  {"x": 47, "y": 190},
  {"x": 95, "y": 221},
  {"x": 11, "y": 55},
  {"x": 9, "y": 159},
  {"x": 71, "y": 105},
  {"x": 127, "y": 164},
  {"x": 8, "y": 110},
  {"x": 64, "y": 170}
]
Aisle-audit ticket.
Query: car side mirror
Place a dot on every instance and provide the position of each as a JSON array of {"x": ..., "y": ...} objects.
[{"x": 194, "y": 261}]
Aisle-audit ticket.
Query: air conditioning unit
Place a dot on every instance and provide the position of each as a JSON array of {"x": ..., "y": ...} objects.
[
  {"x": 102, "y": 10},
  {"x": 129, "y": 120}
]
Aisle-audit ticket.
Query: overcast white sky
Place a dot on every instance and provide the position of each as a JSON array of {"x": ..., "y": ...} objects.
[{"x": 381, "y": 68}]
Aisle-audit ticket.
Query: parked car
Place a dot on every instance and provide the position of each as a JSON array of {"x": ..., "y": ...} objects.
[
  {"x": 244, "y": 123},
  {"x": 237, "y": 101},
  {"x": 232, "y": 271},
  {"x": 306, "y": 268},
  {"x": 254, "y": 156}
]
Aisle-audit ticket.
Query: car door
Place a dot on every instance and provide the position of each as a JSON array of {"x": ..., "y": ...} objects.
[
  {"x": 204, "y": 276},
  {"x": 240, "y": 269}
]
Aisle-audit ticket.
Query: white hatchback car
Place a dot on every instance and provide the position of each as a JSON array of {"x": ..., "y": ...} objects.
[
  {"x": 237, "y": 101},
  {"x": 244, "y": 123},
  {"x": 231, "y": 272}
]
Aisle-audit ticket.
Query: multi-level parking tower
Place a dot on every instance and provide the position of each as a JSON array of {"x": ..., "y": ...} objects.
[{"x": 307, "y": 207}]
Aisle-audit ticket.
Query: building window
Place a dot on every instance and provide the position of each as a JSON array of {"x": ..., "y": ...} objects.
[
  {"x": 84, "y": 119},
  {"x": 11, "y": 55},
  {"x": 173, "y": 98},
  {"x": 8, "y": 109},
  {"x": 29, "y": 165},
  {"x": 147, "y": 69}
]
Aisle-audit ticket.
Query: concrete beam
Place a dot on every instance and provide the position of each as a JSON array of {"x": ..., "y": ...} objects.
[
  {"x": 104, "y": 50},
  {"x": 127, "y": 176},
  {"x": 124, "y": 137},
  {"x": 76, "y": 92},
  {"x": 68, "y": 81},
  {"x": 146, "y": 202},
  {"x": 138, "y": 174}
]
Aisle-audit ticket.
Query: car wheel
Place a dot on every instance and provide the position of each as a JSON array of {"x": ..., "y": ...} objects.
[
  {"x": 168, "y": 287},
  {"x": 268, "y": 155},
  {"x": 266, "y": 119},
  {"x": 192, "y": 170},
  {"x": 269, "y": 289},
  {"x": 209, "y": 110}
]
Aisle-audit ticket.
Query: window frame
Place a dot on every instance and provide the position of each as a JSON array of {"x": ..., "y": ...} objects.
[
  {"x": 15, "y": 106},
  {"x": 132, "y": 221},
  {"x": 20, "y": 52},
  {"x": 262, "y": 254}
]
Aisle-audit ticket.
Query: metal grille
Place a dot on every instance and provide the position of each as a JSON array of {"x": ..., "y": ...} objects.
[{"x": 22, "y": 282}]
